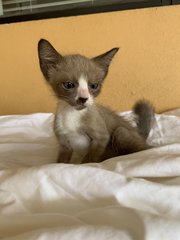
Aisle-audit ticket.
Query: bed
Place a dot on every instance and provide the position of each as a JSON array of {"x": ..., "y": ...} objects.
[{"x": 136, "y": 196}]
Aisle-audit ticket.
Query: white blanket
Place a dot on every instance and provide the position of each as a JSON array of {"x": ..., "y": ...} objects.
[{"x": 128, "y": 197}]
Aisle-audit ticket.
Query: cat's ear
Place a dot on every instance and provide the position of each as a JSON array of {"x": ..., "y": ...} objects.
[
  {"x": 105, "y": 59},
  {"x": 48, "y": 57}
]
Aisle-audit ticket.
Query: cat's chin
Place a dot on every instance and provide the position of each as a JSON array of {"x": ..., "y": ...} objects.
[{"x": 80, "y": 107}]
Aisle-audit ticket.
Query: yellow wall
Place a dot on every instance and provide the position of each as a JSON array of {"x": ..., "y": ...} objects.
[{"x": 148, "y": 64}]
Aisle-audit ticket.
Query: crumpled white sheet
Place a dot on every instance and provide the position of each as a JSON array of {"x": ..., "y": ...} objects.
[{"x": 136, "y": 196}]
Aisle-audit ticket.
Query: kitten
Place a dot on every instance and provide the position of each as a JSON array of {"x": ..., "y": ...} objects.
[{"x": 89, "y": 132}]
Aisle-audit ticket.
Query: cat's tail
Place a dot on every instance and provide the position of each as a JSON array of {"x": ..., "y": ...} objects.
[{"x": 145, "y": 116}]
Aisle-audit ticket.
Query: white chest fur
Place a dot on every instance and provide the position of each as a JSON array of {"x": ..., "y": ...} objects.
[{"x": 69, "y": 124}]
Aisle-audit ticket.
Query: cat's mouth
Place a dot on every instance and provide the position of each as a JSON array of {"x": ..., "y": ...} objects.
[
  {"x": 81, "y": 103},
  {"x": 80, "y": 106}
]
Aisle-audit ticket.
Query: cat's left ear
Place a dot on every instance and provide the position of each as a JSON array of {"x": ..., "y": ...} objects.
[{"x": 105, "y": 59}]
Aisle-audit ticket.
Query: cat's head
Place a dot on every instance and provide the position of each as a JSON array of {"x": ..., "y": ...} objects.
[{"x": 74, "y": 78}]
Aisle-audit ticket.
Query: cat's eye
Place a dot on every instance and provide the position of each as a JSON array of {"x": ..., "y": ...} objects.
[
  {"x": 68, "y": 85},
  {"x": 94, "y": 85}
]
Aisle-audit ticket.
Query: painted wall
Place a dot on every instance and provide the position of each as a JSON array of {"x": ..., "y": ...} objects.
[{"x": 148, "y": 64}]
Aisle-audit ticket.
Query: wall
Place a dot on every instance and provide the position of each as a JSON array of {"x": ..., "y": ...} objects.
[{"x": 147, "y": 65}]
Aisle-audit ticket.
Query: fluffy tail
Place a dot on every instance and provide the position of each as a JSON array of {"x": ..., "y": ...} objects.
[{"x": 145, "y": 117}]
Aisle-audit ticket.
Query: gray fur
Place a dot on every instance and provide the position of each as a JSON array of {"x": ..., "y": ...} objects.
[
  {"x": 90, "y": 132},
  {"x": 145, "y": 115}
]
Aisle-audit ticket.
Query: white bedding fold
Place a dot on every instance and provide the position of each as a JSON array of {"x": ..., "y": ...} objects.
[{"x": 128, "y": 197}]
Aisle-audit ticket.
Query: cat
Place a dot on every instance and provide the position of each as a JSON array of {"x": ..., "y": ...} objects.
[{"x": 86, "y": 131}]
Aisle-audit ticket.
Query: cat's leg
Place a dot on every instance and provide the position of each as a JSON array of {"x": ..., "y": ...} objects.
[
  {"x": 125, "y": 141},
  {"x": 96, "y": 149},
  {"x": 65, "y": 150},
  {"x": 64, "y": 155}
]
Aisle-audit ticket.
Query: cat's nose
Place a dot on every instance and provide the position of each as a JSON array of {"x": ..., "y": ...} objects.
[{"x": 82, "y": 100}]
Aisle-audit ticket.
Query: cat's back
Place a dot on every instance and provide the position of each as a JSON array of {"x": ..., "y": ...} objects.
[{"x": 111, "y": 118}]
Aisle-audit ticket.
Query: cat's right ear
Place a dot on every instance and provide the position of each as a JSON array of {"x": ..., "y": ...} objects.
[
  {"x": 105, "y": 59},
  {"x": 48, "y": 57}
]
